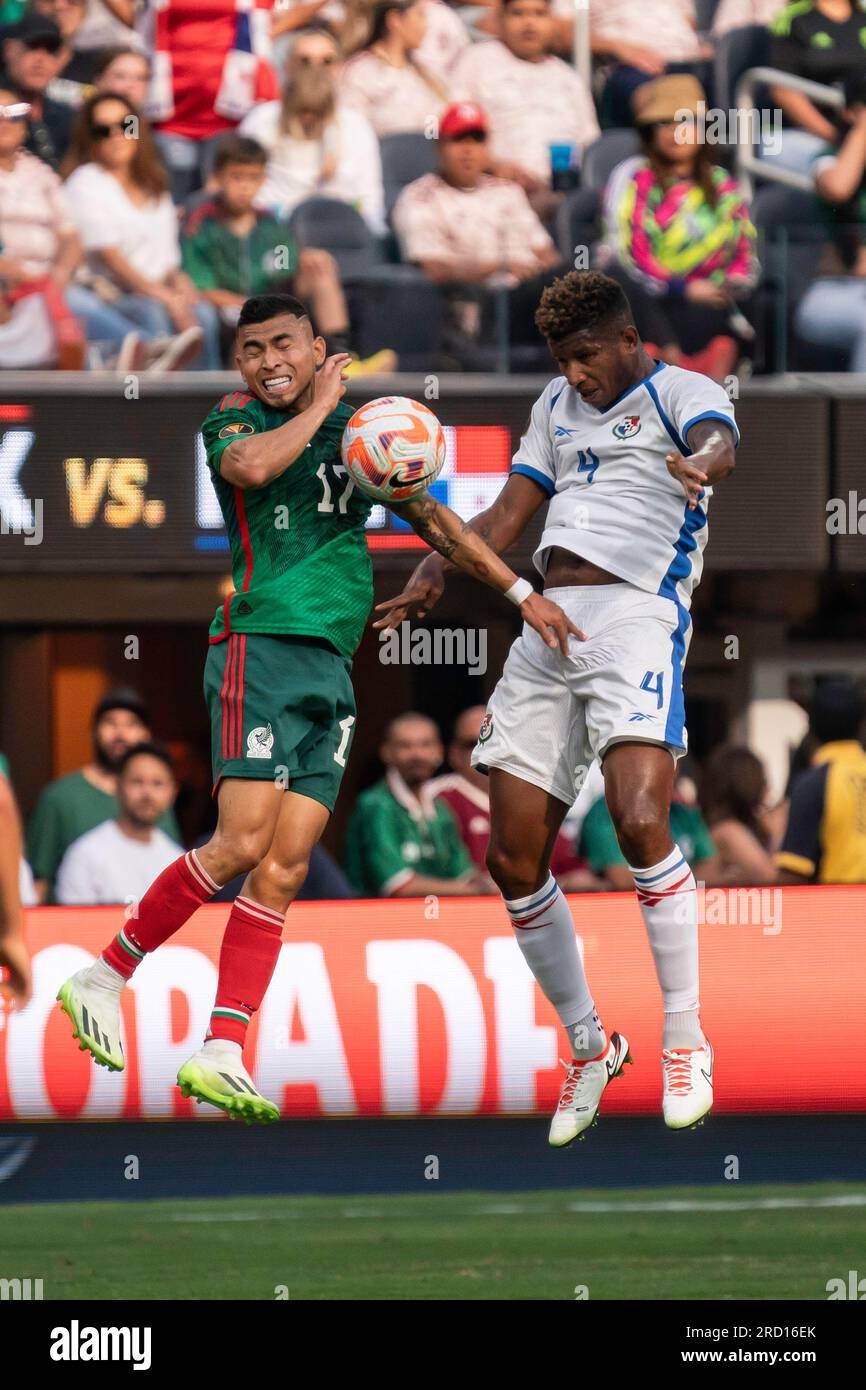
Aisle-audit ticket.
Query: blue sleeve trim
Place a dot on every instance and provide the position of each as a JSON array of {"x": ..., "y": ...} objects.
[
  {"x": 713, "y": 415},
  {"x": 536, "y": 477}
]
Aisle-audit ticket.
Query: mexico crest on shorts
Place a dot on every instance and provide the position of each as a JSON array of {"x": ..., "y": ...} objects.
[
  {"x": 260, "y": 742},
  {"x": 625, "y": 428},
  {"x": 486, "y": 727}
]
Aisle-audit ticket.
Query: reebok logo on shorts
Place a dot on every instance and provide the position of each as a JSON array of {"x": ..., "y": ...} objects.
[{"x": 260, "y": 742}]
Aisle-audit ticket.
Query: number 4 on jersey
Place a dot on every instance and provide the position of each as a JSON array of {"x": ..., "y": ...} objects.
[
  {"x": 657, "y": 689},
  {"x": 588, "y": 461}
]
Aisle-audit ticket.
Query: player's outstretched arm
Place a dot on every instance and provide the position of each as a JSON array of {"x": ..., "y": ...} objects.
[
  {"x": 460, "y": 543},
  {"x": 712, "y": 458},
  {"x": 255, "y": 459},
  {"x": 499, "y": 526}
]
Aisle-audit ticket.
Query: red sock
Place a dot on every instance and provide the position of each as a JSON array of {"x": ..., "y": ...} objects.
[
  {"x": 248, "y": 958},
  {"x": 169, "y": 902}
]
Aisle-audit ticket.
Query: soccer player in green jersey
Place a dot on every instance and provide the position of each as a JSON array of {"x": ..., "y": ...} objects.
[{"x": 277, "y": 682}]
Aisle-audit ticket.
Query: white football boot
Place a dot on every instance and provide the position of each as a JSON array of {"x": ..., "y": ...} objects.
[
  {"x": 95, "y": 1014},
  {"x": 582, "y": 1091},
  {"x": 222, "y": 1079},
  {"x": 688, "y": 1085}
]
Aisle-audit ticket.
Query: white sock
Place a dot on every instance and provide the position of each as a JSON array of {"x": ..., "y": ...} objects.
[
  {"x": 105, "y": 976},
  {"x": 587, "y": 1037},
  {"x": 683, "y": 1030},
  {"x": 669, "y": 902},
  {"x": 223, "y": 1047},
  {"x": 545, "y": 934}
]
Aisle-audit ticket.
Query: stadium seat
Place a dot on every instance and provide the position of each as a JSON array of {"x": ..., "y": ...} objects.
[
  {"x": 332, "y": 225},
  {"x": 405, "y": 157},
  {"x": 705, "y": 11},
  {"x": 577, "y": 222},
  {"x": 736, "y": 52},
  {"x": 396, "y": 306},
  {"x": 792, "y": 232},
  {"x": 603, "y": 155}
]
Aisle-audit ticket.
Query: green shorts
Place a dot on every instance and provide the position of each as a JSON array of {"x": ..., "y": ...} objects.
[{"x": 281, "y": 709}]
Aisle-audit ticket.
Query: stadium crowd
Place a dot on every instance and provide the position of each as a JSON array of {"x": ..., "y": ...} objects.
[
  {"x": 159, "y": 162},
  {"x": 100, "y": 834}
]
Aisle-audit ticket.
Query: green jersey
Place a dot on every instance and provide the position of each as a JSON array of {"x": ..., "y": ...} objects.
[
  {"x": 387, "y": 842},
  {"x": 300, "y": 564},
  {"x": 600, "y": 847}
]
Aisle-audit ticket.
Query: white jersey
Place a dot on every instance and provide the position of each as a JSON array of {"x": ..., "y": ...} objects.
[{"x": 612, "y": 499}]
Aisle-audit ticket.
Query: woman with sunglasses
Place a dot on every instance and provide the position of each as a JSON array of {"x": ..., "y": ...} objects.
[{"x": 117, "y": 192}]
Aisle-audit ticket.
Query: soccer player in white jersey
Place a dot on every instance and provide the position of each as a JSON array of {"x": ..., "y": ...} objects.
[{"x": 625, "y": 451}]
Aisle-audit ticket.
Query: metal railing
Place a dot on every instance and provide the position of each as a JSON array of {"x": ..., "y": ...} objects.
[
  {"x": 582, "y": 51},
  {"x": 749, "y": 164}
]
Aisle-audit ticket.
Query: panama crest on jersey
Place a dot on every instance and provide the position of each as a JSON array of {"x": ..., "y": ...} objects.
[
  {"x": 260, "y": 742},
  {"x": 625, "y": 428},
  {"x": 486, "y": 727}
]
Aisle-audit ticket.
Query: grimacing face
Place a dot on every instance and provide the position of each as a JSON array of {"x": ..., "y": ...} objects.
[{"x": 278, "y": 359}]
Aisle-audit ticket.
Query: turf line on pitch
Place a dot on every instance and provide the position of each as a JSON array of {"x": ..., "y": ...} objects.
[{"x": 590, "y": 1208}]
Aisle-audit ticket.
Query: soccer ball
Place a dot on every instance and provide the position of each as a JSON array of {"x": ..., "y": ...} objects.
[{"x": 393, "y": 448}]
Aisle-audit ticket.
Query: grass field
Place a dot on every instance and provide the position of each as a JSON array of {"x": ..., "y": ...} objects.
[{"x": 776, "y": 1242}]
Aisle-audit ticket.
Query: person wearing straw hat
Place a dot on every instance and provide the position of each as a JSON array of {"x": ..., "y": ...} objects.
[{"x": 677, "y": 233}]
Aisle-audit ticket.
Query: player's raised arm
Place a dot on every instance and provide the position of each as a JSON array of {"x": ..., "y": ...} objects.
[
  {"x": 459, "y": 542},
  {"x": 499, "y": 527},
  {"x": 712, "y": 458},
  {"x": 254, "y": 459}
]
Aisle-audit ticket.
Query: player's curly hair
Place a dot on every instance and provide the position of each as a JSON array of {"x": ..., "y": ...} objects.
[{"x": 580, "y": 300}]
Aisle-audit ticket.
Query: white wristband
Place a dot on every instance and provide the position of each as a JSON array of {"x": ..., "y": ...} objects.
[{"x": 520, "y": 590}]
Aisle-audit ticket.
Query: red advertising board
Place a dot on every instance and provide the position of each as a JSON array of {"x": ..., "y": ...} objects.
[{"x": 407, "y": 1007}]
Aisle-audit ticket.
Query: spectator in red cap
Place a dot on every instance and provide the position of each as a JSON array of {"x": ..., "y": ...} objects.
[
  {"x": 463, "y": 223},
  {"x": 534, "y": 101},
  {"x": 467, "y": 227}
]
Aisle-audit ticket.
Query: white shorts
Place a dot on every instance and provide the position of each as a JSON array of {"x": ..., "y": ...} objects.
[{"x": 550, "y": 715}]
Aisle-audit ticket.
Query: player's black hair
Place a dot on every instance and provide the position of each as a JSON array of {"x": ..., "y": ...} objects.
[
  {"x": 239, "y": 149},
  {"x": 836, "y": 711},
  {"x": 506, "y": 3},
  {"x": 267, "y": 306},
  {"x": 152, "y": 749},
  {"x": 579, "y": 301}
]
